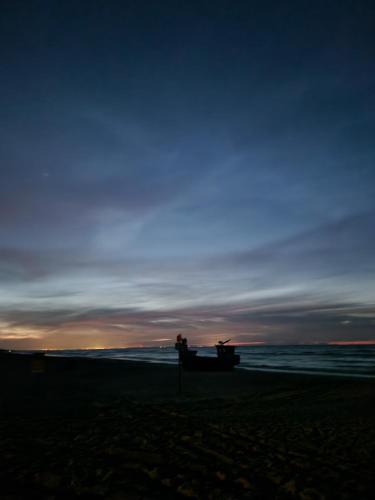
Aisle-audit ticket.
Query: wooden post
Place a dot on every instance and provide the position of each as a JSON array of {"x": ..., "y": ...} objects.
[
  {"x": 179, "y": 374},
  {"x": 179, "y": 347}
]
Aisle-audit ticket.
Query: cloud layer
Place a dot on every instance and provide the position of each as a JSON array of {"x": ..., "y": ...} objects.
[{"x": 167, "y": 169}]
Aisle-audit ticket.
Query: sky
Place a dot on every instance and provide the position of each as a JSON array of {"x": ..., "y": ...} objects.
[{"x": 204, "y": 168}]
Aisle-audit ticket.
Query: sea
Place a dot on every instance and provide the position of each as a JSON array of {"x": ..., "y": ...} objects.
[{"x": 338, "y": 360}]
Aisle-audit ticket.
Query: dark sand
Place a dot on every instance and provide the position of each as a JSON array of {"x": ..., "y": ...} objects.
[{"x": 118, "y": 430}]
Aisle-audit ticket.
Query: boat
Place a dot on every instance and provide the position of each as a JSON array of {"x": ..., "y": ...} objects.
[{"x": 225, "y": 359}]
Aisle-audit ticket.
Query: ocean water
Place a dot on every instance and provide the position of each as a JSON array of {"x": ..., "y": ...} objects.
[{"x": 353, "y": 360}]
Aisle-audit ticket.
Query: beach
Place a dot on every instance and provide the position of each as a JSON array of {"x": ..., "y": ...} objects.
[{"x": 89, "y": 428}]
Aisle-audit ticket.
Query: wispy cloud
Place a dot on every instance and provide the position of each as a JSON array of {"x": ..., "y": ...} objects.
[{"x": 281, "y": 320}]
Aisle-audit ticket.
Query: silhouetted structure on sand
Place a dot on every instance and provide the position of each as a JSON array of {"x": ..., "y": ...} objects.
[{"x": 225, "y": 360}]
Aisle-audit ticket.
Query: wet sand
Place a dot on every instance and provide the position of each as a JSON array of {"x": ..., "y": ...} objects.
[{"x": 112, "y": 429}]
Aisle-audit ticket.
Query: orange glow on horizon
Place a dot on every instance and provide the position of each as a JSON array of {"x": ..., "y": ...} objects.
[{"x": 258, "y": 342}]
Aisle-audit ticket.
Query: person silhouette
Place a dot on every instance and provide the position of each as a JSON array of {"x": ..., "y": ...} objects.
[{"x": 181, "y": 345}]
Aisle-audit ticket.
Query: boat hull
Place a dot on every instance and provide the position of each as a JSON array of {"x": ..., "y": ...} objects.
[{"x": 209, "y": 364}]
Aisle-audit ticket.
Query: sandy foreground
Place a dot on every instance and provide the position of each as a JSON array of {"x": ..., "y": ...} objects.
[{"x": 119, "y": 430}]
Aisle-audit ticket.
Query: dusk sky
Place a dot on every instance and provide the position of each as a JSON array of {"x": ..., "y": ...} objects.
[{"x": 204, "y": 168}]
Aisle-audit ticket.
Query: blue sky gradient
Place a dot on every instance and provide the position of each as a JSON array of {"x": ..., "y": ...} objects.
[{"x": 196, "y": 167}]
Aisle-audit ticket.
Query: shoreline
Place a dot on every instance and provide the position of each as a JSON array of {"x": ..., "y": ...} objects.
[
  {"x": 296, "y": 371},
  {"x": 145, "y": 363},
  {"x": 156, "y": 379}
]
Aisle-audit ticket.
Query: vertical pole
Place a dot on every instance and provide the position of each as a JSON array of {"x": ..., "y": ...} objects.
[{"x": 179, "y": 374}]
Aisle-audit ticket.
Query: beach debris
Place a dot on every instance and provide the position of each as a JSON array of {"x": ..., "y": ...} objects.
[
  {"x": 310, "y": 494},
  {"x": 186, "y": 491},
  {"x": 220, "y": 475},
  {"x": 290, "y": 487},
  {"x": 243, "y": 482}
]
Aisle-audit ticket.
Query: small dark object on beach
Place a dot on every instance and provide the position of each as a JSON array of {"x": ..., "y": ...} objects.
[{"x": 38, "y": 363}]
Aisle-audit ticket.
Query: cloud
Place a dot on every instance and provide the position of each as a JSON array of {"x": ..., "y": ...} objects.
[
  {"x": 331, "y": 264},
  {"x": 336, "y": 254},
  {"x": 279, "y": 320}
]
